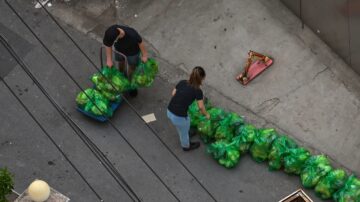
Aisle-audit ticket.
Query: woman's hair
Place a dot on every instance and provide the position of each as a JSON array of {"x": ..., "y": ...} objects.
[{"x": 196, "y": 77}]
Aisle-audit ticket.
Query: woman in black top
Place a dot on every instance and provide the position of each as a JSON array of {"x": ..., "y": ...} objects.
[{"x": 185, "y": 92}]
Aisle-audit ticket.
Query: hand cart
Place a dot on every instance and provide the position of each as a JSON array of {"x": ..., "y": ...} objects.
[{"x": 113, "y": 105}]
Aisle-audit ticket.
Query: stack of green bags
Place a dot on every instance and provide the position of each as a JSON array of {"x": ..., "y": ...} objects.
[
  {"x": 94, "y": 102},
  {"x": 110, "y": 83},
  {"x": 228, "y": 137}
]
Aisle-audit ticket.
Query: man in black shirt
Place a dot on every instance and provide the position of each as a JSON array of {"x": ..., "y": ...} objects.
[{"x": 127, "y": 41}]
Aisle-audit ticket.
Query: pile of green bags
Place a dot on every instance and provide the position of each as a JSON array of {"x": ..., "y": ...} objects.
[
  {"x": 110, "y": 83},
  {"x": 228, "y": 137},
  {"x": 94, "y": 102},
  {"x": 314, "y": 169},
  {"x": 350, "y": 192}
]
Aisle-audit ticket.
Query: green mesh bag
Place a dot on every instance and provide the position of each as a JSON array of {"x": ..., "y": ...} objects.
[
  {"x": 152, "y": 67},
  {"x": 112, "y": 97},
  {"x": 226, "y": 127},
  {"x": 206, "y": 130},
  {"x": 235, "y": 120},
  {"x": 83, "y": 97},
  {"x": 120, "y": 82},
  {"x": 110, "y": 80},
  {"x": 350, "y": 192},
  {"x": 314, "y": 169},
  {"x": 279, "y": 149},
  {"x": 245, "y": 136},
  {"x": 224, "y": 131},
  {"x": 95, "y": 104},
  {"x": 261, "y": 147},
  {"x": 295, "y": 160},
  {"x": 216, "y": 116},
  {"x": 144, "y": 74},
  {"x": 195, "y": 114},
  {"x": 226, "y": 154},
  {"x": 329, "y": 184}
]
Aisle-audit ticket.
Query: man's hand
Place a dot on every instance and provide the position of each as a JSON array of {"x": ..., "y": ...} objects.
[
  {"x": 109, "y": 63},
  {"x": 207, "y": 115},
  {"x": 144, "y": 58}
]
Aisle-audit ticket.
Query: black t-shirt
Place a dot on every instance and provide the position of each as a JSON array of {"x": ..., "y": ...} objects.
[
  {"x": 128, "y": 45},
  {"x": 185, "y": 95}
]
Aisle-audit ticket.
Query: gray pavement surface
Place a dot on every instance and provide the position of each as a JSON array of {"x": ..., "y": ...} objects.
[{"x": 309, "y": 94}]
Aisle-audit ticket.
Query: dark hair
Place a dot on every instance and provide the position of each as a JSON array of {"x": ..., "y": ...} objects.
[
  {"x": 196, "y": 77},
  {"x": 111, "y": 34}
]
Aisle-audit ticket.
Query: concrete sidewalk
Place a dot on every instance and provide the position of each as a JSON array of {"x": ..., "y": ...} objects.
[
  {"x": 152, "y": 164},
  {"x": 295, "y": 102},
  {"x": 309, "y": 93}
]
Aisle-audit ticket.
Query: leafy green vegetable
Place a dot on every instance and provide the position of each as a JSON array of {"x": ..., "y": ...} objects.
[
  {"x": 245, "y": 136},
  {"x": 295, "y": 160},
  {"x": 144, "y": 74},
  {"x": 350, "y": 192},
  {"x": 94, "y": 102},
  {"x": 279, "y": 149},
  {"x": 332, "y": 182},
  {"x": 314, "y": 169},
  {"x": 261, "y": 147},
  {"x": 226, "y": 154}
]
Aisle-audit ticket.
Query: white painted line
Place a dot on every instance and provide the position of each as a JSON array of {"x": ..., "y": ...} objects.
[{"x": 149, "y": 118}]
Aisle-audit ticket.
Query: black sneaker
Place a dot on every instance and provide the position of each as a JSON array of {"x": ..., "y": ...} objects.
[
  {"x": 193, "y": 145},
  {"x": 133, "y": 93}
]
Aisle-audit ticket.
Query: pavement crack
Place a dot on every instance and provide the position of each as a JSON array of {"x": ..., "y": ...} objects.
[{"x": 320, "y": 72}]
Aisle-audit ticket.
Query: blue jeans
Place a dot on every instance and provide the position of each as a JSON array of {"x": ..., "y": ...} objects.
[{"x": 182, "y": 125}]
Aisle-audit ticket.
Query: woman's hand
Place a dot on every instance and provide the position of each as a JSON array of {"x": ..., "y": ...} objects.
[{"x": 144, "y": 58}]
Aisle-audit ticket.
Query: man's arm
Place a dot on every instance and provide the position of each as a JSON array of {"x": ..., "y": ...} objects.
[
  {"x": 144, "y": 54},
  {"x": 109, "y": 61}
]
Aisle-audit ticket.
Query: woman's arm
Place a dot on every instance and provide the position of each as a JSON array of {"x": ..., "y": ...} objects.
[
  {"x": 173, "y": 92},
  {"x": 201, "y": 106}
]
